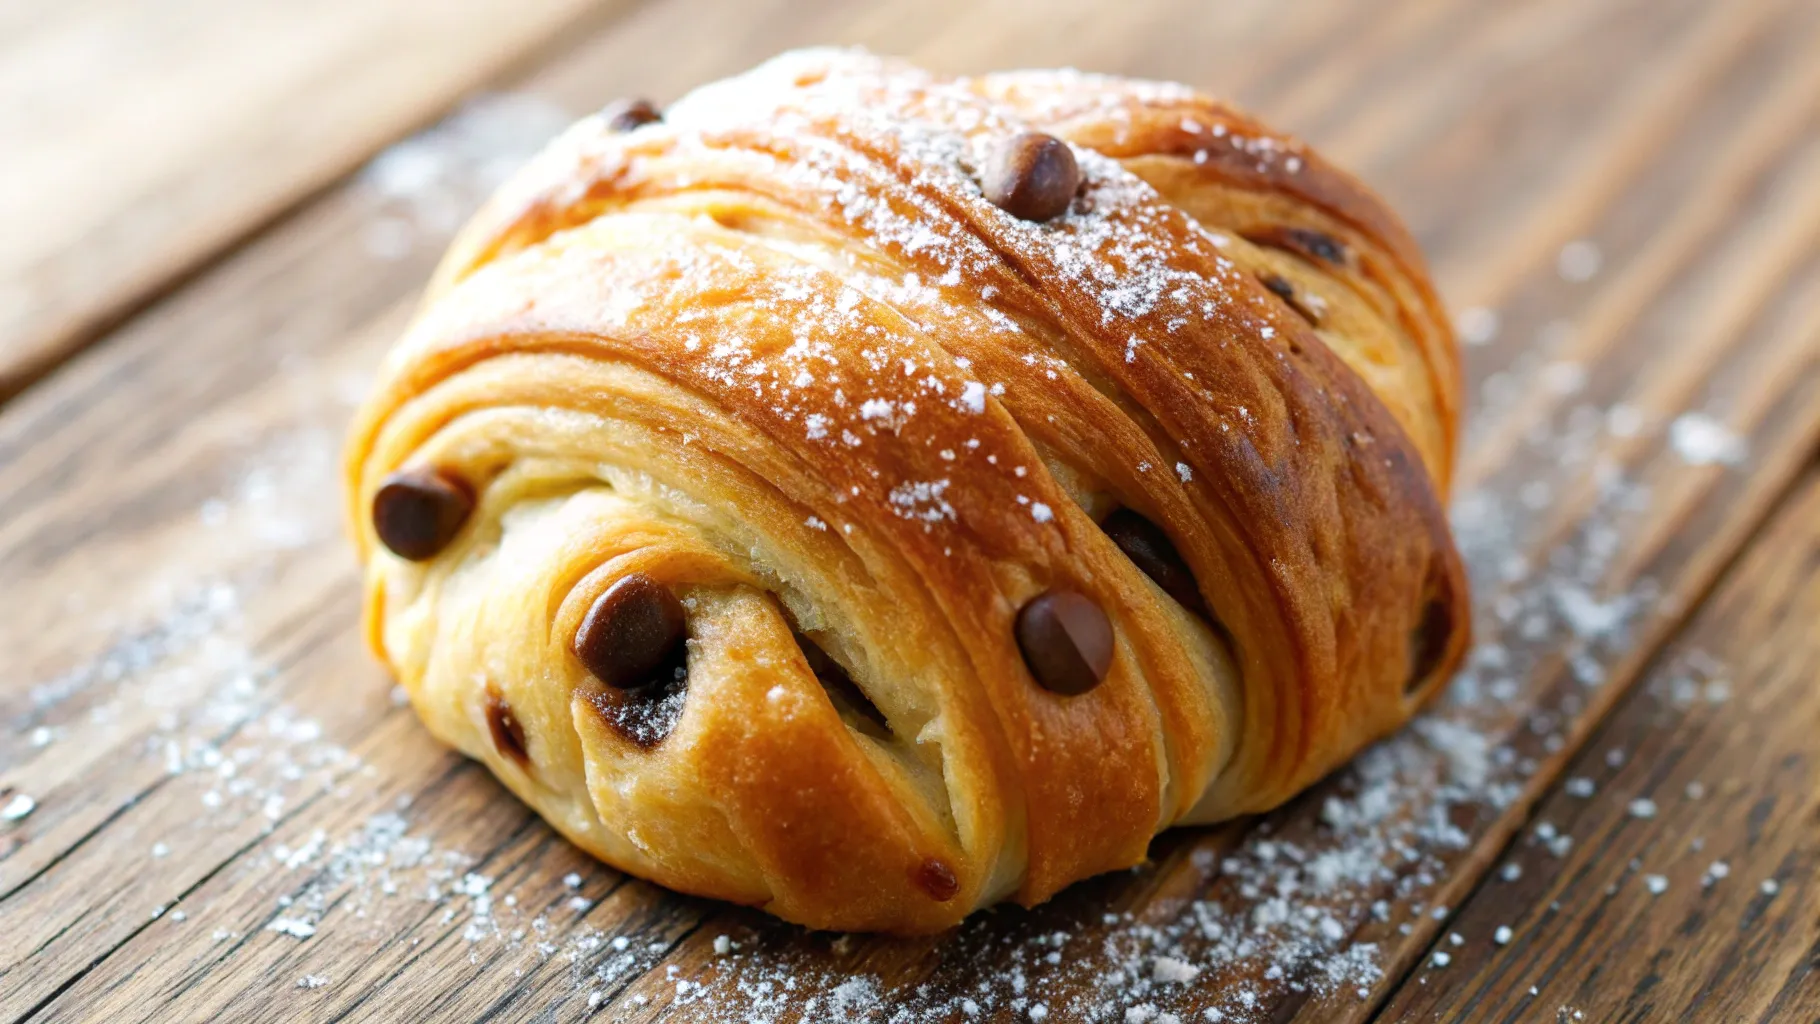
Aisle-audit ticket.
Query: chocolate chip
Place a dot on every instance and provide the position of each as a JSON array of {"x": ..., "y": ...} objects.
[
  {"x": 508, "y": 735},
  {"x": 842, "y": 690},
  {"x": 1066, "y": 640},
  {"x": 1318, "y": 244},
  {"x": 1282, "y": 289},
  {"x": 416, "y": 512},
  {"x": 625, "y": 115},
  {"x": 1307, "y": 243},
  {"x": 1031, "y": 176},
  {"x": 1428, "y": 643},
  {"x": 647, "y": 714},
  {"x": 632, "y": 631},
  {"x": 936, "y": 878},
  {"x": 1150, "y": 550}
]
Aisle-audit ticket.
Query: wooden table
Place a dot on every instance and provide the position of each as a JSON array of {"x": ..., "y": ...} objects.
[{"x": 212, "y": 808}]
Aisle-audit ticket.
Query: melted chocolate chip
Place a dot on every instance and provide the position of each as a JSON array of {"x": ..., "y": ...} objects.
[
  {"x": 647, "y": 714},
  {"x": 936, "y": 878},
  {"x": 633, "y": 630},
  {"x": 1282, "y": 289},
  {"x": 508, "y": 735},
  {"x": 1032, "y": 176},
  {"x": 1150, "y": 550},
  {"x": 417, "y": 512},
  {"x": 1428, "y": 643},
  {"x": 625, "y": 115},
  {"x": 1318, "y": 244},
  {"x": 1066, "y": 641},
  {"x": 1307, "y": 243},
  {"x": 842, "y": 690}
]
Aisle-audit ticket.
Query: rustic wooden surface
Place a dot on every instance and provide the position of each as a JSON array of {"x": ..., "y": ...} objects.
[
  {"x": 1633, "y": 186},
  {"x": 142, "y": 138},
  {"x": 1690, "y": 886}
]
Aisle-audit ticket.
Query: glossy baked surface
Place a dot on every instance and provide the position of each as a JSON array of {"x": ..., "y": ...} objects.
[{"x": 779, "y": 354}]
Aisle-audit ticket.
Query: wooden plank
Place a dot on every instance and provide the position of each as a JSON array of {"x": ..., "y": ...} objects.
[
  {"x": 143, "y": 138},
  {"x": 189, "y": 584},
  {"x": 1688, "y": 889}
]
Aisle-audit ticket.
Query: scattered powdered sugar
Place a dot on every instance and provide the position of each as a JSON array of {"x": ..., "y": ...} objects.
[
  {"x": 1168, "y": 969},
  {"x": 295, "y": 927},
  {"x": 1477, "y": 325},
  {"x": 1701, "y": 440},
  {"x": 429, "y": 183},
  {"x": 922, "y": 500},
  {"x": 1579, "y": 260},
  {"x": 17, "y": 807},
  {"x": 648, "y": 719}
]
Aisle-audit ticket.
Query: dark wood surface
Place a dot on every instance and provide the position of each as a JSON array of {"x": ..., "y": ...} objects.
[{"x": 232, "y": 820}]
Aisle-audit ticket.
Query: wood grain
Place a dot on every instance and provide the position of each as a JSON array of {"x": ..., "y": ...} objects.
[
  {"x": 1690, "y": 885},
  {"x": 141, "y": 138},
  {"x": 180, "y": 598}
]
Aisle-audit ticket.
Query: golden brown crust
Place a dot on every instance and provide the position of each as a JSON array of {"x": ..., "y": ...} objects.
[{"x": 779, "y": 353}]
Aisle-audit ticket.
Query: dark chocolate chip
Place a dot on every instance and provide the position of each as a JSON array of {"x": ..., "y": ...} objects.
[
  {"x": 1307, "y": 243},
  {"x": 936, "y": 878},
  {"x": 1032, "y": 176},
  {"x": 625, "y": 115},
  {"x": 1066, "y": 640},
  {"x": 1150, "y": 550},
  {"x": 632, "y": 631},
  {"x": 644, "y": 716},
  {"x": 1428, "y": 643},
  {"x": 416, "y": 512},
  {"x": 1318, "y": 244},
  {"x": 508, "y": 735},
  {"x": 842, "y": 690},
  {"x": 1282, "y": 289}
]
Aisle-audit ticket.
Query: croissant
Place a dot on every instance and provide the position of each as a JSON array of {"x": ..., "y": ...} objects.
[{"x": 869, "y": 495}]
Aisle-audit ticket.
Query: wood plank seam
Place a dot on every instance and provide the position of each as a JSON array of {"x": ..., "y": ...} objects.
[
  {"x": 143, "y": 925},
  {"x": 1655, "y": 659},
  {"x": 102, "y": 320},
  {"x": 1575, "y": 946},
  {"x": 319, "y": 625}
]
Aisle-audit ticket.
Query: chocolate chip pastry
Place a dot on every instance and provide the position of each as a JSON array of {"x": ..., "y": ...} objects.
[{"x": 869, "y": 495}]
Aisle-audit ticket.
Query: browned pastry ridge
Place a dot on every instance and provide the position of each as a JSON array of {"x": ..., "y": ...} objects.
[{"x": 869, "y": 495}]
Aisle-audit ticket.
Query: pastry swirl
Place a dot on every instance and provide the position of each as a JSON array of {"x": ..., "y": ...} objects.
[{"x": 870, "y": 495}]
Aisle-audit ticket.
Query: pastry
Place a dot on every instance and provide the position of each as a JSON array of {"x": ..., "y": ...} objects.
[{"x": 870, "y": 495}]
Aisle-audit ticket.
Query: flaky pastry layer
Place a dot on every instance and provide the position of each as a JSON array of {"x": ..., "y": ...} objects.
[{"x": 779, "y": 353}]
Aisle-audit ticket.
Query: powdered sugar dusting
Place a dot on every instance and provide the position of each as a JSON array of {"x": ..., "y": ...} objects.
[
  {"x": 1701, "y": 440},
  {"x": 428, "y": 184}
]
